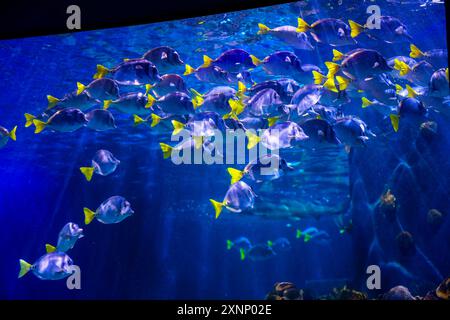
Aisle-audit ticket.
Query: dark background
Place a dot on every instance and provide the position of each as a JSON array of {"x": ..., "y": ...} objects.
[{"x": 25, "y": 18}]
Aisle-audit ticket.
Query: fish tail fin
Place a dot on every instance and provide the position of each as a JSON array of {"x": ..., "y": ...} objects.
[
  {"x": 166, "y": 149},
  {"x": 137, "y": 120},
  {"x": 398, "y": 88},
  {"x": 150, "y": 101},
  {"x": 253, "y": 139},
  {"x": 198, "y": 141},
  {"x": 235, "y": 174},
  {"x": 207, "y": 61},
  {"x": 89, "y": 215},
  {"x": 302, "y": 25},
  {"x": 330, "y": 85},
  {"x": 218, "y": 206},
  {"x": 402, "y": 67},
  {"x": 40, "y": 125},
  {"x": 241, "y": 89},
  {"x": 231, "y": 115},
  {"x": 52, "y": 101},
  {"x": 147, "y": 88},
  {"x": 177, "y": 127},
  {"x": 189, "y": 70},
  {"x": 197, "y": 101},
  {"x": 80, "y": 88},
  {"x": 29, "y": 119},
  {"x": 49, "y": 248},
  {"x": 395, "y": 119},
  {"x": 298, "y": 234},
  {"x": 106, "y": 104},
  {"x": 342, "y": 82},
  {"x": 263, "y": 29},
  {"x": 24, "y": 268},
  {"x": 229, "y": 244},
  {"x": 272, "y": 120},
  {"x": 237, "y": 106},
  {"x": 12, "y": 133},
  {"x": 355, "y": 28},
  {"x": 415, "y": 52},
  {"x": 366, "y": 102},
  {"x": 102, "y": 71},
  {"x": 411, "y": 92},
  {"x": 332, "y": 67},
  {"x": 87, "y": 172},
  {"x": 255, "y": 60},
  {"x": 337, "y": 55},
  {"x": 307, "y": 237},
  {"x": 196, "y": 93},
  {"x": 155, "y": 120},
  {"x": 242, "y": 253},
  {"x": 318, "y": 77}
]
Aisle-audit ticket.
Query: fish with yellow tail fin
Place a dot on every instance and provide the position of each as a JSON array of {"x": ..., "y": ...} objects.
[
  {"x": 179, "y": 103},
  {"x": 169, "y": 83},
  {"x": 64, "y": 120},
  {"x": 82, "y": 101},
  {"x": 177, "y": 127},
  {"x": 331, "y": 31},
  {"x": 217, "y": 99},
  {"x": 265, "y": 168},
  {"x": 239, "y": 197},
  {"x": 282, "y": 135},
  {"x": 288, "y": 64},
  {"x": 359, "y": 65},
  {"x": 100, "y": 89},
  {"x": 289, "y": 35},
  {"x": 103, "y": 163},
  {"x": 67, "y": 238},
  {"x": 318, "y": 77},
  {"x": 241, "y": 244},
  {"x": 130, "y": 72},
  {"x": 135, "y": 103},
  {"x": 260, "y": 252},
  {"x": 51, "y": 266},
  {"x": 210, "y": 74},
  {"x": 166, "y": 149},
  {"x": 153, "y": 120},
  {"x": 253, "y": 139},
  {"x": 113, "y": 210},
  {"x": 5, "y": 135},
  {"x": 164, "y": 58},
  {"x": 280, "y": 245},
  {"x": 233, "y": 61},
  {"x": 390, "y": 30},
  {"x": 102, "y": 71},
  {"x": 411, "y": 111},
  {"x": 437, "y": 57},
  {"x": 266, "y": 103},
  {"x": 312, "y": 233},
  {"x": 366, "y": 102}
]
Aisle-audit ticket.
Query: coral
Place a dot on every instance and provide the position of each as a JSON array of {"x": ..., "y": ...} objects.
[
  {"x": 398, "y": 293},
  {"x": 285, "y": 291},
  {"x": 388, "y": 205},
  {"x": 405, "y": 243},
  {"x": 434, "y": 219}
]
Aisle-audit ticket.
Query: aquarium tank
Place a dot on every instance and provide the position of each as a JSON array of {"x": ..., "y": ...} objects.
[{"x": 292, "y": 152}]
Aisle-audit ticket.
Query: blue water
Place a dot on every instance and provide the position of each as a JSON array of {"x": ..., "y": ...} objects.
[{"x": 173, "y": 247}]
